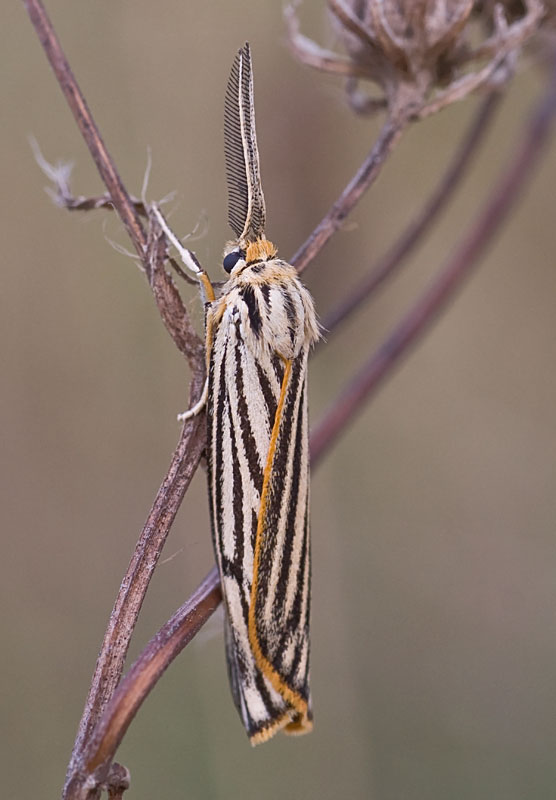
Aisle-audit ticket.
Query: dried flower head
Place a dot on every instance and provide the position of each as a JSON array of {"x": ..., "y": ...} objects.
[{"x": 419, "y": 52}]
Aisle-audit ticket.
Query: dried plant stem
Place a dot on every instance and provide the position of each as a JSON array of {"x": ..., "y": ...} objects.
[
  {"x": 141, "y": 678},
  {"x": 155, "y": 658},
  {"x": 355, "y": 189},
  {"x": 110, "y": 663},
  {"x": 450, "y": 279},
  {"x": 101, "y": 201},
  {"x": 86, "y": 124},
  {"x": 387, "y": 266}
]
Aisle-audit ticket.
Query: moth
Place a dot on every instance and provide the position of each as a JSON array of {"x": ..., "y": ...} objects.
[{"x": 259, "y": 331}]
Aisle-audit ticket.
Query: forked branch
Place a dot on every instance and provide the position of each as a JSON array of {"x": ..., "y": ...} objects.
[
  {"x": 100, "y": 748},
  {"x": 86, "y": 124},
  {"x": 448, "y": 282},
  {"x": 346, "y": 202},
  {"x": 388, "y": 266}
]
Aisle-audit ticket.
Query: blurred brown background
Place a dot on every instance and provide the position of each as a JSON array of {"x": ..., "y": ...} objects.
[{"x": 434, "y": 636}]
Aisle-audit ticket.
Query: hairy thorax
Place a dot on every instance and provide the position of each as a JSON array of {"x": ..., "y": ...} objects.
[{"x": 272, "y": 308}]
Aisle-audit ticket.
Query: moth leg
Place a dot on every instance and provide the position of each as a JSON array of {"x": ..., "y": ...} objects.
[
  {"x": 197, "y": 408},
  {"x": 188, "y": 258},
  {"x": 190, "y": 262}
]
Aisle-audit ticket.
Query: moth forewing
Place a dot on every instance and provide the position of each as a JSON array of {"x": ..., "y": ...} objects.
[{"x": 263, "y": 327}]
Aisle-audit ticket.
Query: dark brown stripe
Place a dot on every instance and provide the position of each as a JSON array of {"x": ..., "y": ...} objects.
[
  {"x": 269, "y": 397},
  {"x": 216, "y": 450},
  {"x": 291, "y": 313},
  {"x": 294, "y": 619},
  {"x": 276, "y": 498},
  {"x": 273, "y": 711},
  {"x": 265, "y": 291},
  {"x": 301, "y": 686},
  {"x": 247, "y": 437},
  {"x": 237, "y": 500},
  {"x": 278, "y": 366},
  {"x": 285, "y": 577},
  {"x": 250, "y": 300},
  {"x": 233, "y": 569},
  {"x": 210, "y": 466}
]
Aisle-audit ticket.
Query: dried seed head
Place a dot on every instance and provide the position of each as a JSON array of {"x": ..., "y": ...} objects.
[
  {"x": 415, "y": 33},
  {"x": 420, "y": 52}
]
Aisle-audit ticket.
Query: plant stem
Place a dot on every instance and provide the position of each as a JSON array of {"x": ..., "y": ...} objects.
[
  {"x": 448, "y": 282},
  {"x": 86, "y": 124},
  {"x": 387, "y": 266},
  {"x": 358, "y": 185}
]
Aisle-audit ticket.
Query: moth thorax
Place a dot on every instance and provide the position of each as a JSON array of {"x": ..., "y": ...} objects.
[{"x": 261, "y": 250}]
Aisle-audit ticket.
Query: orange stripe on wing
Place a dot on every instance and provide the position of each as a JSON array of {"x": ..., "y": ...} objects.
[{"x": 297, "y": 702}]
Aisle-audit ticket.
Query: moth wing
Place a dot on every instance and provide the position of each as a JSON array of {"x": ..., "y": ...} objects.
[
  {"x": 282, "y": 584},
  {"x": 235, "y": 454}
]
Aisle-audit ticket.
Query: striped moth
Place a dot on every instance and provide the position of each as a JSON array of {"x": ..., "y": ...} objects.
[{"x": 258, "y": 334}]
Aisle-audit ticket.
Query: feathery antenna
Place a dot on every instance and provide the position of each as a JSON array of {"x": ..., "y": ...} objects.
[{"x": 246, "y": 207}]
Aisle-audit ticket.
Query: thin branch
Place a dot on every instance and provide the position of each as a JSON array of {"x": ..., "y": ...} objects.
[
  {"x": 170, "y": 305},
  {"x": 139, "y": 681},
  {"x": 387, "y": 266},
  {"x": 351, "y": 22},
  {"x": 451, "y": 278},
  {"x": 358, "y": 185},
  {"x": 153, "y": 661},
  {"x": 168, "y": 299},
  {"x": 311, "y": 54},
  {"x": 99, "y": 201},
  {"x": 120, "y": 198},
  {"x": 110, "y": 663}
]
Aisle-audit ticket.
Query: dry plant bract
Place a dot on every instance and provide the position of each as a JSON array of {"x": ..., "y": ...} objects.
[{"x": 422, "y": 54}]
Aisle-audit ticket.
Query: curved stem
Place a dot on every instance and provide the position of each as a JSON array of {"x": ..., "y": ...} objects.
[
  {"x": 358, "y": 185},
  {"x": 146, "y": 671},
  {"x": 387, "y": 266},
  {"x": 110, "y": 662},
  {"x": 101, "y": 201},
  {"x": 444, "y": 288},
  {"x": 86, "y": 124}
]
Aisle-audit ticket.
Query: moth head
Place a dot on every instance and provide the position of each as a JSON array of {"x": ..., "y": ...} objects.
[
  {"x": 234, "y": 255},
  {"x": 260, "y": 250},
  {"x": 240, "y": 254}
]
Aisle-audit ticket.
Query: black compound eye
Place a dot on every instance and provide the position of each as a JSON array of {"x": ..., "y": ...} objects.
[{"x": 231, "y": 259}]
